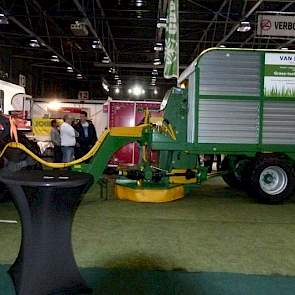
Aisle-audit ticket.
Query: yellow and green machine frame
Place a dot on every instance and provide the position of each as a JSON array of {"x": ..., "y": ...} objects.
[{"x": 193, "y": 125}]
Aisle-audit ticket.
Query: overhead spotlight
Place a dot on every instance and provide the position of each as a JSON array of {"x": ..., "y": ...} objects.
[
  {"x": 139, "y": 3},
  {"x": 96, "y": 44},
  {"x": 244, "y": 27},
  {"x": 162, "y": 23},
  {"x": 54, "y": 58},
  {"x": 79, "y": 76},
  {"x": 105, "y": 84},
  {"x": 137, "y": 90},
  {"x": 222, "y": 46},
  {"x": 158, "y": 46},
  {"x": 54, "y": 105},
  {"x": 117, "y": 90},
  {"x": 155, "y": 91},
  {"x": 106, "y": 60},
  {"x": 3, "y": 19},
  {"x": 70, "y": 70},
  {"x": 182, "y": 85},
  {"x": 34, "y": 43}
]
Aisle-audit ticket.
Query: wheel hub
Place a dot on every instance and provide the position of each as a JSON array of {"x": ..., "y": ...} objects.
[{"x": 273, "y": 180}]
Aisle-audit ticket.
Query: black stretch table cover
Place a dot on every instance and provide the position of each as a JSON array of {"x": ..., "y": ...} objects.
[{"x": 47, "y": 202}]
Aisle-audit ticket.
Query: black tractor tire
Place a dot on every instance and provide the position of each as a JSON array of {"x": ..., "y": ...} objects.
[
  {"x": 236, "y": 172},
  {"x": 272, "y": 180}
]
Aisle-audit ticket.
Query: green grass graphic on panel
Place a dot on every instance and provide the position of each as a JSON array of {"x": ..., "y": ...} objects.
[{"x": 275, "y": 92}]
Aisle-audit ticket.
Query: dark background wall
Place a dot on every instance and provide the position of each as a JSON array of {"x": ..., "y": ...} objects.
[{"x": 41, "y": 83}]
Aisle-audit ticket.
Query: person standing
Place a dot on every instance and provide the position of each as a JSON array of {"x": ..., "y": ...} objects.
[
  {"x": 55, "y": 139},
  {"x": 68, "y": 140},
  {"x": 87, "y": 135}
]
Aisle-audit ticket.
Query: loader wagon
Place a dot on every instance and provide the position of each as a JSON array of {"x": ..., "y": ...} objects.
[{"x": 239, "y": 103}]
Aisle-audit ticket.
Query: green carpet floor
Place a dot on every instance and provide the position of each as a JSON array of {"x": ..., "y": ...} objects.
[
  {"x": 214, "y": 236},
  {"x": 132, "y": 282}
]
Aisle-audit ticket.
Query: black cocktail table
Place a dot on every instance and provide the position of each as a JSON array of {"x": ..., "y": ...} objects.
[{"x": 47, "y": 202}]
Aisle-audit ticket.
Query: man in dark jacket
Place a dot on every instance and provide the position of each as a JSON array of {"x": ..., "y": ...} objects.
[{"x": 87, "y": 135}]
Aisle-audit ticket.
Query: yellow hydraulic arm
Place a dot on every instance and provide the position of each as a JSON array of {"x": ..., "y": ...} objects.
[{"x": 132, "y": 132}]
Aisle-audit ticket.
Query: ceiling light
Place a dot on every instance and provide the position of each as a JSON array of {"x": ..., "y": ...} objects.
[
  {"x": 244, "y": 27},
  {"x": 117, "y": 90},
  {"x": 162, "y": 23},
  {"x": 54, "y": 58},
  {"x": 79, "y": 76},
  {"x": 284, "y": 48},
  {"x": 105, "y": 85},
  {"x": 157, "y": 61},
  {"x": 3, "y": 19},
  {"x": 54, "y": 105},
  {"x": 69, "y": 69},
  {"x": 34, "y": 43},
  {"x": 182, "y": 85},
  {"x": 116, "y": 77},
  {"x": 137, "y": 90},
  {"x": 155, "y": 91},
  {"x": 106, "y": 60},
  {"x": 129, "y": 90},
  {"x": 158, "y": 48},
  {"x": 139, "y": 3},
  {"x": 222, "y": 46},
  {"x": 96, "y": 44}
]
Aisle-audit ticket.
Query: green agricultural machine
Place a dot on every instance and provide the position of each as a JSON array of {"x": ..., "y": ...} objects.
[{"x": 239, "y": 103}]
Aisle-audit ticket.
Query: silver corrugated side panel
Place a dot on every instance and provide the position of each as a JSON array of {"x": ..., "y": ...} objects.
[
  {"x": 228, "y": 121},
  {"x": 279, "y": 123},
  {"x": 191, "y": 118},
  {"x": 230, "y": 73}
]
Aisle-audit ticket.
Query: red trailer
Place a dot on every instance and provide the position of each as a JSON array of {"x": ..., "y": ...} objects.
[{"x": 122, "y": 113}]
